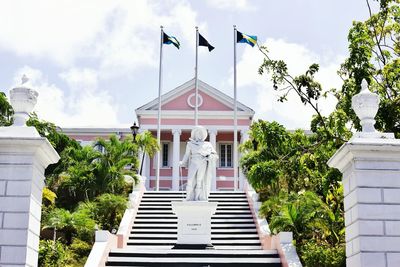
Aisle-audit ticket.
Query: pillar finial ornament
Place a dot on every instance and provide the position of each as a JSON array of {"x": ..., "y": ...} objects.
[
  {"x": 23, "y": 100},
  {"x": 366, "y": 105}
]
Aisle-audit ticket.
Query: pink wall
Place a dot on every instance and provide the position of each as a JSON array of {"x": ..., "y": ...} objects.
[
  {"x": 168, "y": 172},
  {"x": 168, "y": 184},
  {"x": 163, "y": 183},
  {"x": 225, "y": 184},
  {"x": 163, "y": 172},
  {"x": 209, "y": 103},
  {"x": 225, "y": 172},
  {"x": 229, "y": 122},
  {"x": 90, "y": 137},
  {"x": 227, "y": 137}
]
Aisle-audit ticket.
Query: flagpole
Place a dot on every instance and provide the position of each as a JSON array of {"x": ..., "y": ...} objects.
[
  {"x": 159, "y": 113},
  {"x": 235, "y": 145},
  {"x": 196, "y": 110}
]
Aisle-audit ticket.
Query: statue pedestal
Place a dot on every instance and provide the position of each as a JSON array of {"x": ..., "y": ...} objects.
[{"x": 194, "y": 223}]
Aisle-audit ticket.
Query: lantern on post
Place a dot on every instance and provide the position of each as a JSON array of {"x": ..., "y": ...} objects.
[{"x": 134, "y": 130}]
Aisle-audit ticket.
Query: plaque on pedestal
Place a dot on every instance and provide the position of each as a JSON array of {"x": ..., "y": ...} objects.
[{"x": 194, "y": 223}]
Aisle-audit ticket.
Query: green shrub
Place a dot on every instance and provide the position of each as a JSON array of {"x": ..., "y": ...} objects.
[
  {"x": 320, "y": 254},
  {"x": 52, "y": 253},
  {"x": 80, "y": 249}
]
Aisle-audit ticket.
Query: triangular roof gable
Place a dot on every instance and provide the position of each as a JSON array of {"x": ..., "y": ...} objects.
[{"x": 215, "y": 98}]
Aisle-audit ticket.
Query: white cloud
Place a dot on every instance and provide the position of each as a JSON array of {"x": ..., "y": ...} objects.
[
  {"x": 78, "y": 79},
  {"x": 117, "y": 35},
  {"x": 229, "y": 4},
  {"x": 53, "y": 29},
  {"x": 292, "y": 113},
  {"x": 85, "y": 105}
]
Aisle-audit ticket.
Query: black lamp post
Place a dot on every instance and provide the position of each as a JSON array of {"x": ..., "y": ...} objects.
[{"x": 134, "y": 130}]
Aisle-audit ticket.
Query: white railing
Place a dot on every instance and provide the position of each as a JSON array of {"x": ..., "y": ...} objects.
[
  {"x": 104, "y": 242},
  {"x": 283, "y": 242},
  {"x": 125, "y": 226}
]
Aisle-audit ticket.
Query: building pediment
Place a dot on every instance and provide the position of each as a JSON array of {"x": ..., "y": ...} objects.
[{"x": 183, "y": 98}]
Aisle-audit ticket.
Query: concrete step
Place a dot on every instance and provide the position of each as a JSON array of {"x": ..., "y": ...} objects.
[
  {"x": 174, "y": 231},
  {"x": 214, "y": 192},
  {"x": 221, "y": 195},
  {"x": 188, "y": 252},
  {"x": 233, "y": 234},
  {"x": 214, "y": 242},
  {"x": 166, "y": 204},
  {"x": 213, "y": 236},
  {"x": 156, "y": 261},
  {"x": 232, "y": 207},
  {"x": 150, "y": 200},
  {"x": 173, "y": 225},
  {"x": 174, "y": 221},
  {"x": 219, "y": 216},
  {"x": 216, "y": 213},
  {"x": 216, "y": 247}
]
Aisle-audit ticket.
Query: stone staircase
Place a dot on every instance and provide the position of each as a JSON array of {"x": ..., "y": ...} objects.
[{"x": 154, "y": 233}]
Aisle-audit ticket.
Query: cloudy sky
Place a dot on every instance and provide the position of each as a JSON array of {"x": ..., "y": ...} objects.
[{"x": 94, "y": 62}]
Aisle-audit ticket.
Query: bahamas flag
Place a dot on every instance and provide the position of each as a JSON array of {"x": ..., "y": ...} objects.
[
  {"x": 170, "y": 40},
  {"x": 244, "y": 38}
]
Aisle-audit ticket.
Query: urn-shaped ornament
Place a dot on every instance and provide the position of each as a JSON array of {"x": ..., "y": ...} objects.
[
  {"x": 366, "y": 105},
  {"x": 23, "y": 100}
]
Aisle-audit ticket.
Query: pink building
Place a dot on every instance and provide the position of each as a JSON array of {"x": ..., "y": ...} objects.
[{"x": 177, "y": 120}]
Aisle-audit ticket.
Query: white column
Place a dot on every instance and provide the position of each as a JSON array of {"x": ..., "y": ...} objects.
[
  {"x": 175, "y": 158},
  {"x": 24, "y": 155},
  {"x": 146, "y": 170},
  {"x": 213, "y": 140},
  {"x": 244, "y": 136}
]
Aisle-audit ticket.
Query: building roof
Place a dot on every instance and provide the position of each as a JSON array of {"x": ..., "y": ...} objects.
[{"x": 204, "y": 88}]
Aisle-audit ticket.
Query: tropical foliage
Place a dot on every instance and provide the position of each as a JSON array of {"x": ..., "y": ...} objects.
[
  {"x": 86, "y": 190},
  {"x": 300, "y": 192},
  {"x": 6, "y": 111}
]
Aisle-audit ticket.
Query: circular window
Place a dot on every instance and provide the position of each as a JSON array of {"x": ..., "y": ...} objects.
[{"x": 192, "y": 102}]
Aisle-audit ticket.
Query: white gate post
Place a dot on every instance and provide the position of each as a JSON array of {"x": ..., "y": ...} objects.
[
  {"x": 370, "y": 163},
  {"x": 24, "y": 155}
]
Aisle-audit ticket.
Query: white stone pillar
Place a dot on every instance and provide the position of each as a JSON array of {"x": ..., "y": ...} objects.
[
  {"x": 175, "y": 158},
  {"x": 146, "y": 170},
  {"x": 213, "y": 140},
  {"x": 370, "y": 163},
  {"x": 244, "y": 136},
  {"x": 24, "y": 155},
  {"x": 371, "y": 181}
]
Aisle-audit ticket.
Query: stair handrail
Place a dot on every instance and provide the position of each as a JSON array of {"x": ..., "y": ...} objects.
[
  {"x": 104, "y": 242},
  {"x": 283, "y": 242},
  {"x": 128, "y": 218}
]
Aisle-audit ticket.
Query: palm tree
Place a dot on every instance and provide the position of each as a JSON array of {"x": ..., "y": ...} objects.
[
  {"x": 57, "y": 219},
  {"x": 69, "y": 223},
  {"x": 147, "y": 144},
  {"x": 79, "y": 177},
  {"x": 302, "y": 216},
  {"x": 111, "y": 164}
]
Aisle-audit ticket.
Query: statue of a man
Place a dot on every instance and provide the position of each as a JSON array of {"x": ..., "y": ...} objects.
[{"x": 201, "y": 157}]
